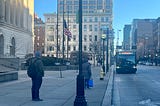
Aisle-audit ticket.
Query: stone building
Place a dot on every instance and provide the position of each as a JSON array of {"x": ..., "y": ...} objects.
[
  {"x": 16, "y": 28},
  {"x": 97, "y": 17}
]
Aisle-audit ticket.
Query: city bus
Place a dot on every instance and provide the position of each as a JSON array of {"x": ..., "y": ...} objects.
[{"x": 126, "y": 62}]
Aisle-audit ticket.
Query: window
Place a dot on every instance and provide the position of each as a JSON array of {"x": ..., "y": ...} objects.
[
  {"x": 85, "y": 38},
  {"x": 95, "y": 38},
  {"x": 90, "y": 37},
  {"x": 85, "y": 27},
  {"x": 74, "y": 48},
  {"x": 85, "y": 19},
  {"x": 85, "y": 48},
  {"x": 90, "y": 27},
  {"x": 96, "y": 19},
  {"x": 102, "y": 19},
  {"x": 74, "y": 37},
  {"x": 90, "y": 19},
  {"x": 95, "y": 28},
  {"x": 74, "y": 26}
]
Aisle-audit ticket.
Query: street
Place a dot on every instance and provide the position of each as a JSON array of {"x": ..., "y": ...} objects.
[{"x": 140, "y": 89}]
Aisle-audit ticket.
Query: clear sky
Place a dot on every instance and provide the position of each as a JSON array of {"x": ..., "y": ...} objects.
[{"x": 124, "y": 11}]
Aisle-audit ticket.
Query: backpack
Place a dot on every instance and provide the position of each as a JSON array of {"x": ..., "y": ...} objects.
[{"x": 31, "y": 71}]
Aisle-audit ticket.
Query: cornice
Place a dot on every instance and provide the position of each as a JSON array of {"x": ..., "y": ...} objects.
[{"x": 15, "y": 28}]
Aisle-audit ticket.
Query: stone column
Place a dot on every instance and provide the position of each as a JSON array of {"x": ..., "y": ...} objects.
[
  {"x": 8, "y": 11},
  {"x": 2, "y": 8},
  {"x": 14, "y": 13}
]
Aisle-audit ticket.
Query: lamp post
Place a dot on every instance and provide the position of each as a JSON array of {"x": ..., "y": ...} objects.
[
  {"x": 80, "y": 98},
  {"x": 107, "y": 50},
  {"x": 103, "y": 38}
]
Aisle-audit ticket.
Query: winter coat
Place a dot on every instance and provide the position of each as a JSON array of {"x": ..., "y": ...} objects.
[
  {"x": 86, "y": 70},
  {"x": 39, "y": 67}
]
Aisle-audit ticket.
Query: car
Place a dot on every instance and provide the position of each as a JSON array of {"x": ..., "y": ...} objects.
[{"x": 149, "y": 64}]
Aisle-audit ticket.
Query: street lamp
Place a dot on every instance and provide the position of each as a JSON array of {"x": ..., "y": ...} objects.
[
  {"x": 107, "y": 50},
  {"x": 80, "y": 98},
  {"x": 103, "y": 38}
]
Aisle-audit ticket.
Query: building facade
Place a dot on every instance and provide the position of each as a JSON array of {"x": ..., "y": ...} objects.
[
  {"x": 97, "y": 17},
  {"x": 156, "y": 39},
  {"x": 126, "y": 37},
  {"x": 16, "y": 28},
  {"x": 39, "y": 32},
  {"x": 142, "y": 37}
]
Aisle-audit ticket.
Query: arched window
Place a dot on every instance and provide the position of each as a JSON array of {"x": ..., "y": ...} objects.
[{"x": 1, "y": 45}]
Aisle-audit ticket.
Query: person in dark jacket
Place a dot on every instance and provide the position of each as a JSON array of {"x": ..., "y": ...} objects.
[
  {"x": 86, "y": 71},
  {"x": 37, "y": 80}
]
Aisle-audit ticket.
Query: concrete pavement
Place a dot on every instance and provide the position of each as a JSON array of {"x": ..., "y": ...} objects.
[{"x": 58, "y": 89}]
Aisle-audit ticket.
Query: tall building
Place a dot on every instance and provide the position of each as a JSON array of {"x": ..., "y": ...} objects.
[
  {"x": 39, "y": 32},
  {"x": 16, "y": 28},
  {"x": 142, "y": 37},
  {"x": 97, "y": 17},
  {"x": 126, "y": 37},
  {"x": 156, "y": 39}
]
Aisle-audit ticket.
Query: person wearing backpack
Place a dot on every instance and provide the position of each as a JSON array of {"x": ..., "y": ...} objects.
[{"x": 37, "y": 63}]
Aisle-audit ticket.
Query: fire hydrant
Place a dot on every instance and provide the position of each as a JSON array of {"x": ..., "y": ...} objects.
[{"x": 101, "y": 74}]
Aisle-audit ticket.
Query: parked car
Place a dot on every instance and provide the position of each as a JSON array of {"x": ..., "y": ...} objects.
[{"x": 149, "y": 64}]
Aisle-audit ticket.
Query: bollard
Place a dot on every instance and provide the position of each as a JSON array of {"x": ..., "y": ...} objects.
[{"x": 101, "y": 74}]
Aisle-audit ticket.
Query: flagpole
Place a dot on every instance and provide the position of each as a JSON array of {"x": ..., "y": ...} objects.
[
  {"x": 57, "y": 32},
  {"x": 63, "y": 35},
  {"x": 68, "y": 36}
]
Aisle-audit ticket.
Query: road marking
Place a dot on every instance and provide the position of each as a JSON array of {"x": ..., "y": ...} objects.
[{"x": 148, "y": 102}]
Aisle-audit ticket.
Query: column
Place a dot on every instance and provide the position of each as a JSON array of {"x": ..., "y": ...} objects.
[
  {"x": 2, "y": 7},
  {"x": 18, "y": 13},
  {"x": 14, "y": 12},
  {"x": 8, "y": 11}
]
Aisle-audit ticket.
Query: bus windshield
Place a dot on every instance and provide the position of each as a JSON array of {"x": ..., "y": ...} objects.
[{"x": 130, "y": 59}]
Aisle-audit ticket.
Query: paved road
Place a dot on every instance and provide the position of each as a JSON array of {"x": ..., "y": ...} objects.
[{"x": 141, "y": 89}]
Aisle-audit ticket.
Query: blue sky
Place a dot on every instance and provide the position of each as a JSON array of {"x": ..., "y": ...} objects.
[{"x": 124, "y": 11}]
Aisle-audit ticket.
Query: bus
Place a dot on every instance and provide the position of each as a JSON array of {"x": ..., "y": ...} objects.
[{"x": 126, "y": 62}]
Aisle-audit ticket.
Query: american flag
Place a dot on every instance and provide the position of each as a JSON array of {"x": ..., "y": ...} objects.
[{"x": 66, "y": 30}]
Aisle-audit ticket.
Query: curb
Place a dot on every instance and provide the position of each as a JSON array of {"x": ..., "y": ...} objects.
[{"x": 107, "y": 100}]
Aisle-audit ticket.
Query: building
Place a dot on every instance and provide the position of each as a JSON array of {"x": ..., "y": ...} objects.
[
  {"x": 39, "y": 31},
  {"x": 97, "y": 17},
  {"x": 16, "y": 28},
  {"x": 142, "y": 37},
  {"x": 126, "y": 37},
  {"x": 156, "y": 39}
]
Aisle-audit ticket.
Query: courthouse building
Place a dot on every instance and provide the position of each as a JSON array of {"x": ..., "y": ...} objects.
[{"x": 16, "y": 28}]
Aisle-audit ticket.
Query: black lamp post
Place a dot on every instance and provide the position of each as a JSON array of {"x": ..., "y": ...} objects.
[
  {"x": 80, "y": 98},
  {"x": 107, "y": 50},
  {"x": 103, "y": 38}
]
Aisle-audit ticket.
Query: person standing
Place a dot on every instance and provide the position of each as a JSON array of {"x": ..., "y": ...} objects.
[
  {"x": 86, "y": 71},
  {"x": 37, "y": 79}
]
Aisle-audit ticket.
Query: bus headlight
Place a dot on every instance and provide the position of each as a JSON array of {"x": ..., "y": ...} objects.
[
  {"x": 117, "y": 67},
  {"x": 134, "y": 67}
]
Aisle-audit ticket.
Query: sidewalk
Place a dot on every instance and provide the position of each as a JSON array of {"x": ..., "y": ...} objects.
[{"x": 55, "y": 91}]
